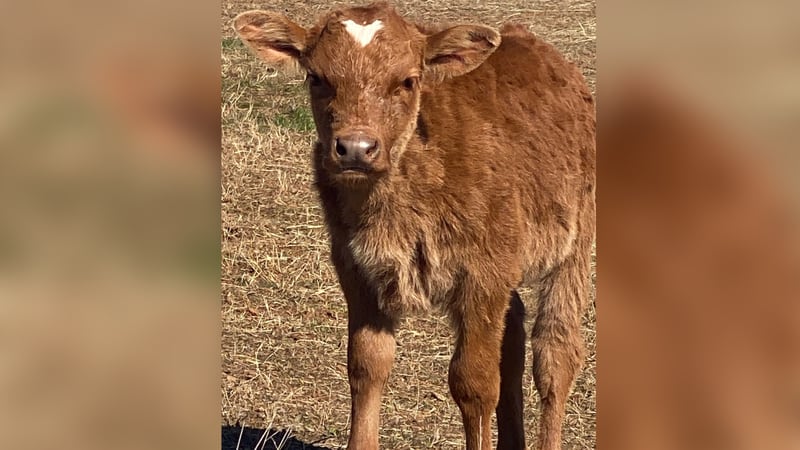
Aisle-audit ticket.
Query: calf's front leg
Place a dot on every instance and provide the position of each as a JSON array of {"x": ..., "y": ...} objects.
[
  {"x": 370, "y": 349},
  {"x": 370, "y": 355},
  {"x": 474, "y": 376}
]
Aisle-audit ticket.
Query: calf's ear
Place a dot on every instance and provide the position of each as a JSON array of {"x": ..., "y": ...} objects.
[
  {"x": 274, "y": 38},
  {"x": 458, "y": 50}
]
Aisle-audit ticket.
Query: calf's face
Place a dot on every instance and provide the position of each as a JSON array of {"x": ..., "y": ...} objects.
[{"x": 366, "y": 70}]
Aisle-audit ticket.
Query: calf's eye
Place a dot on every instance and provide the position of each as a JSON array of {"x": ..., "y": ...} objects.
[{"x": 407, "y": 85}]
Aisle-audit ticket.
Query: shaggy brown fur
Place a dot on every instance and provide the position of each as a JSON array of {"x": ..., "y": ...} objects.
[{"x": 475, "y": 166}]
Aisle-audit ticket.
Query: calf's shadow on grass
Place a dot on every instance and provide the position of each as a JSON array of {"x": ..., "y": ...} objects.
[{"x": 235, "y": 437}]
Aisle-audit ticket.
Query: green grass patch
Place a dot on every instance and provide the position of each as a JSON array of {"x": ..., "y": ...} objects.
[
  {"x": 297, "y": 119},
  {"x": 230, "y": 43}
]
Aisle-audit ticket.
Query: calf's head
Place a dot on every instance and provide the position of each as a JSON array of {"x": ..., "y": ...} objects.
[{"x": 366, "y": 70}]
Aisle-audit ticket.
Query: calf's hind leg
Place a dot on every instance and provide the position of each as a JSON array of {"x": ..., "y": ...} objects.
[{"x": 558, "y": 348}]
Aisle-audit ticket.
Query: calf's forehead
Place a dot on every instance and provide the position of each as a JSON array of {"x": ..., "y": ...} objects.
[{"x": 365, "y": 41}]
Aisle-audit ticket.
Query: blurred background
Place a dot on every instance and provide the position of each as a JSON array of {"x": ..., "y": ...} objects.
[
  {"x": 698, "y": 257},
  {"x": 109, "y": 232}
]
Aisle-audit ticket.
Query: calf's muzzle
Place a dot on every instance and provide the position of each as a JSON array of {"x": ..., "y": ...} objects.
[{"x": 355, "y": 151}]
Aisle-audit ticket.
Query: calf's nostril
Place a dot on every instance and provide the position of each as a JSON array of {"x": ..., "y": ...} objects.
[
  {"x": 372, "y": 148},
  {"x": 341, "y": 150}
]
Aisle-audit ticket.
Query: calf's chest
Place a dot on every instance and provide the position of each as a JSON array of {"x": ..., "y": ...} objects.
[{"x": 403, "y": 264}]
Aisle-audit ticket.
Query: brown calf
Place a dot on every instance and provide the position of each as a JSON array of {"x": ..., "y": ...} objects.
[{"x": 451, "y": 163}]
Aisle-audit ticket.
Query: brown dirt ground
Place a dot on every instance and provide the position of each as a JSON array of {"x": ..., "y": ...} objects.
[{"x": 283, "y": 316}]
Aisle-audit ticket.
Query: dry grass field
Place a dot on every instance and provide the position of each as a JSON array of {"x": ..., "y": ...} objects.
[{"x": 284, "y": 381}]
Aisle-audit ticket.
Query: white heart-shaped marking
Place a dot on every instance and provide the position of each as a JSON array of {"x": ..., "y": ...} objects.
[{"x": 363, "y": 34}]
